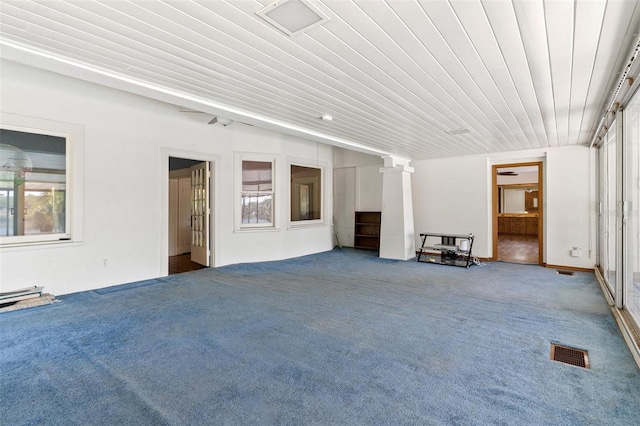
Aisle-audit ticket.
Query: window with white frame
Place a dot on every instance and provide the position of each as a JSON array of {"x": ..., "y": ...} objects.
[
  {"x": 34, "y": 196},
  {"x": 257, "y": 194},
  {"x": 306, "y": 194}
]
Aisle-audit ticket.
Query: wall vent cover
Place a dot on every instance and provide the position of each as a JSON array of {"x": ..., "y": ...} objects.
[{"x": 571, "y": 356}]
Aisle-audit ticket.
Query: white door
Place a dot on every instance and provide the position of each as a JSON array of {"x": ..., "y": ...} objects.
[
  {"x": 173, "y": 217},
  {"x": 183, "y": 241},
  {"x": 200, "y": 212}
]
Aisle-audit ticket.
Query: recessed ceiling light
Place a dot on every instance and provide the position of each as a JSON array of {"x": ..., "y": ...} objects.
[
  {"x": 458, "y": 131},
  {"x": 326, "y": 117},
  {"x": 293, "y": 16}
]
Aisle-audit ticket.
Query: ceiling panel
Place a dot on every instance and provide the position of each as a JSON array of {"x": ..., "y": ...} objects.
[
  {"x": 531, "y": 24},
  {"x": 560, "y": 39},
  {"x": 588, "y": 15},
  {"x": 397, "y": 76}
]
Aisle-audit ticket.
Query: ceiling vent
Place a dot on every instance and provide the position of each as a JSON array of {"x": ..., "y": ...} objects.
[{"x": 293, "y": 17}]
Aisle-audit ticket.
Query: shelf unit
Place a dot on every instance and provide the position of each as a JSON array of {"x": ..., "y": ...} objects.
[
  {"x": 367, "y": 230},
  {"x": 446, "y": 249}
]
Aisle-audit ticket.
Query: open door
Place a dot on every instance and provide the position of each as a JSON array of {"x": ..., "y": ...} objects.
[
  {"x": 518, "y": 213},
  {"x": 200, "y": 212}
]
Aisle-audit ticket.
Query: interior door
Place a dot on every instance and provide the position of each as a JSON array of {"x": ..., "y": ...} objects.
[
  {"x": 200, "y": 212},
  {"x": 183, "y": 238}
]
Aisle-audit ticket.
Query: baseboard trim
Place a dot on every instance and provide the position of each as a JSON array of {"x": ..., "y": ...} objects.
[
  {"x": 569, "y": 268},
  {"x": 628, "y": 333},
  {"x": 629, "y": 330},
  {"x": 603, "y": 287}
]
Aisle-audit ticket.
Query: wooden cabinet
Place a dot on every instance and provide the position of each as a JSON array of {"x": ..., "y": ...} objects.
[
  {"x": 503, "y": 225},
  {"x": 518, "y": 225},
  {"x": 532, "y": 225},
  {"x": 367, "y": 230}
]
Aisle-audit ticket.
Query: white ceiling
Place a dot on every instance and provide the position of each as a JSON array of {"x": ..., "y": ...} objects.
[{"x": 395, "y": 75}]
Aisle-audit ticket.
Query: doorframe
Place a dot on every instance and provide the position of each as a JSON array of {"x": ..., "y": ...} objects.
[
  {"x": 494, "y": 175},
  {"x": 214, "y": 219}
]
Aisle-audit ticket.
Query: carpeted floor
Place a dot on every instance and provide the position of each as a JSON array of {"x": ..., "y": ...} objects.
[{"x": 335, "y": 338}]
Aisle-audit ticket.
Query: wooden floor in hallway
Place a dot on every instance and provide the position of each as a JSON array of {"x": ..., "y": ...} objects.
[
  {"x": 518, "y": 248},
  {"x": 182, "y": 263}
]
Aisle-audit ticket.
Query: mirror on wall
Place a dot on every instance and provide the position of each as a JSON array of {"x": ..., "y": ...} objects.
[
  {"x": 518, "y": 198},
  {"x": 518, "y": 190}
]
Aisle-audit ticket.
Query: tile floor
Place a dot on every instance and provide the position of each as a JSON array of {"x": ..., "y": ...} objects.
[{"x": 518, "y": 248}]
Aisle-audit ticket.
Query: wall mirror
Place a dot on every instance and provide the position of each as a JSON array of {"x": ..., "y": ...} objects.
[{"x": 521, "y": 198}]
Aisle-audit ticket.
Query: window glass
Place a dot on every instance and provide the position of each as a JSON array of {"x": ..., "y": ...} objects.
[
  {"x": 610, "y": 209},
  {"x": 257, "y": 193},
  {"x": 632, "y": 137},
  {"x": 306, "y": 193},
  {"x": 33, "y": 185}
]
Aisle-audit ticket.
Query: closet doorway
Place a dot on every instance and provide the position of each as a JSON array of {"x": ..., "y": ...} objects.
[{"x": 518, "y": 213}]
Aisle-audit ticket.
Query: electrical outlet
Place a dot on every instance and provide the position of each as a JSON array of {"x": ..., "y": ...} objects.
[{"x": 105, "y": 263}]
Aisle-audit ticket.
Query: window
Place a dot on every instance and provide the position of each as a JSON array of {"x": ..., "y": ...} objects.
[
  {"x": 608, "y": 219},
  {"x": 632, "y": 139},
  {"x": 257, "y": 194},
  {"x": 306, "y": 193},
  {"x": 34, "y": 201}
]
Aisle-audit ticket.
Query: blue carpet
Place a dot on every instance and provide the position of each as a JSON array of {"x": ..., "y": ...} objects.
[{"x": 341, "y": 337}]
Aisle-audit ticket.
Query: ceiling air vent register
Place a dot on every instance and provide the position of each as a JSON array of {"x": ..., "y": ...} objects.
[{"x": 293, "y": 17}]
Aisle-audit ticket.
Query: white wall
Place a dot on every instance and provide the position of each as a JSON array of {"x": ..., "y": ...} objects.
[
  {"x": 451, "y": 196},
  {"x": 358, "y": 187},
  {"x": 570, "y": 206},
  {"x": 454, "y": 196},
  {"x": 127, "y": 142}
]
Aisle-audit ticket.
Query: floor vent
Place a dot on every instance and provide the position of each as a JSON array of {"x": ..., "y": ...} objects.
[
  {"x": 565, "y": 272},
  {"x": 571, "y": 356}
]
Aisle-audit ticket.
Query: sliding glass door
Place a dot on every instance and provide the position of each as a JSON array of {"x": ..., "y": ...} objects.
[
  {"x": 632, "y": 216},
  {"x": 619, "y": 221},
  {"x": 608, "y": 211}
]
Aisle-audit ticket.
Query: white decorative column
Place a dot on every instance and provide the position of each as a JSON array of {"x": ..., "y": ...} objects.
[{"x": 397, "y": 239}]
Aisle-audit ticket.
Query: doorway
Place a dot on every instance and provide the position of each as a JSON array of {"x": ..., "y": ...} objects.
[
  {"x": 518, "y": 213},
  {"x": 189, "y": 215}
]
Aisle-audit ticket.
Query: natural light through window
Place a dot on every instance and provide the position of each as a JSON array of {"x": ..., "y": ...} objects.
[
  {"x": 33, "y": 187},
  {"x": 257, "y": 193}
]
